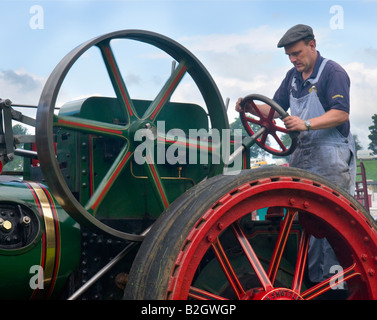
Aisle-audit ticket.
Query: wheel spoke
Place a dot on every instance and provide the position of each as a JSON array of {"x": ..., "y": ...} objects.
[
  {"x": 227, "y": 268},
  {"x": 256, "y": 109},
  {"x": 166, "y": 92},
  {"x": 157, "y": 184},
  {"x": 328, "y": 284},
  {"x": 252, "y": 120},
  {"x": 278, "y": 140},
  {"x": 203, "y": 147},
  {"x": 280, "y": 129},
  {"x": 90, "y": 126},
  {"x": 117, "y": 81},
  {"x": 108, "y": 180},
  {"x": 270, "y": 116},
  {"x": 264, "y": 138},
  {"x": 252, "y": 257},
  {"x": 200, "y": 294},
  {"x": 301, "y": 262},
  {"x": 280, "y": 244}
]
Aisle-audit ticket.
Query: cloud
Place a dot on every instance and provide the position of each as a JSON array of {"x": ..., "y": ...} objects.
[
  {"x": 20, "y": 86},
  {"x": 363, "y": 99},
  {"x": 235, "y": 55},
  {"x": 250, "y": 63},
  {"x": 240, "y": 64}
]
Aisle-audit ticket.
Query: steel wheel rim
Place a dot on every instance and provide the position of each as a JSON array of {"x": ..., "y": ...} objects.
[{"x": 235, "y": 204}]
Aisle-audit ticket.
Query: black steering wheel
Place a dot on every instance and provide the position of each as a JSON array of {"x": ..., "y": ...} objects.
[{"x": 267, "y": 124}]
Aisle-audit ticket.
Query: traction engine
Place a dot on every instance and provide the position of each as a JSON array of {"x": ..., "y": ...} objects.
[{"x": 100, "y": 211}]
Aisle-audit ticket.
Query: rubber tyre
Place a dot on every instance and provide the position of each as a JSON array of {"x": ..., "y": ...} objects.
[{"x": 153, "y": 267}]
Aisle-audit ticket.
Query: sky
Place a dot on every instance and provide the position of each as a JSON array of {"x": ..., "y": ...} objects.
[{"x": 236, "y": 41}]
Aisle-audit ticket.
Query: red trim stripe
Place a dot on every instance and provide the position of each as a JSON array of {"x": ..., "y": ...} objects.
[
  {"x": 111, "y": 180},
  {"x": 94, "y": 128},
  {"x": 158, "y": 183},
  {"x": 117, "y": 76},
  {"x": 167, "y": 93}
]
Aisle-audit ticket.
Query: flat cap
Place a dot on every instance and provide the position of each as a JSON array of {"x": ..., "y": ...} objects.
[{"x": 296, "y": 33}]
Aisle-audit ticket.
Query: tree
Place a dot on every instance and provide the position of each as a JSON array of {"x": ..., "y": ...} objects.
[
  {"x": 357, "y": 143},
  {"x": 17, "y": 163},
  {"x": 373, "y": 134}
]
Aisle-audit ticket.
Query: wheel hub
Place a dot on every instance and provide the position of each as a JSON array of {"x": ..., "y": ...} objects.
[{"x": 274, "y": 294}]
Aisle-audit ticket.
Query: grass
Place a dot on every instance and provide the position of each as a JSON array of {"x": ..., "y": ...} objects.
[{"x": 370, "y": 169}]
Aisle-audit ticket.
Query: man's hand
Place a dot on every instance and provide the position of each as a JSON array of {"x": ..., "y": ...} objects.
[
  {"x": 247, "y": 107},
  {"x": 294, "y": 123},
  {"x": 329, "y": 119}
]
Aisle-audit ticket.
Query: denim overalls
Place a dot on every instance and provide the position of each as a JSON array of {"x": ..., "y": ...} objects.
[{"x": 326, "y": 153}]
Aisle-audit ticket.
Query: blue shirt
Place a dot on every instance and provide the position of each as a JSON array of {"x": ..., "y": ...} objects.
[{"x": 333, "y": 89}]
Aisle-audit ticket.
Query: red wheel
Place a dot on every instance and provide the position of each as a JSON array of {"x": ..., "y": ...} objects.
[
  {"x": 268, "y": 125},
  {"x": 208, "y": 244}
]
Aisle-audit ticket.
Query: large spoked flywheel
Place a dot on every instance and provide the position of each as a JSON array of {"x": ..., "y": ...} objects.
[
  {"x": 119, "y": 132},
  {"x": 247, "y": 237}
]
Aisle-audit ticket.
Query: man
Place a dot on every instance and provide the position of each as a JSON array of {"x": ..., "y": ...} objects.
[{"x": 316, "y": 91}]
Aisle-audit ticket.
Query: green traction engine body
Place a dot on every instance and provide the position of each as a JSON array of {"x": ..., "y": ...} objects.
[
  {"x": 154, "y": 199},
  {"x": 39, "y": 242},
  {"x": 44, "y": 252}
]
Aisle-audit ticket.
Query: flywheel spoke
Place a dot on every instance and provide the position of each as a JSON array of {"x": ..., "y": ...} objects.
[
  {"x": 117, "y": 81},
  {"x": 108, "y": 180},
  {"x": 193, "y": 146},
  {"x": 90, "y": 126},
  {"x": 157, "y": 184},
  {"x": 166, "y": 92}
]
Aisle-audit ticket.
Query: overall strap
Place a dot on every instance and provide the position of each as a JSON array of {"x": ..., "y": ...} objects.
[
  {"x": 321, "y": 67},
  {"x": 312, "y": 81}
]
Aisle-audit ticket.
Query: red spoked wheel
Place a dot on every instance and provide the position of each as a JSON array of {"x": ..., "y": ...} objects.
[
  {"x": 268, "y": 126},
  {"x": 209, "y": 245}
]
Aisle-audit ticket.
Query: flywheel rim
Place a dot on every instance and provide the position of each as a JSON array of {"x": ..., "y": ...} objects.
[{"x": 45, "y": 116}]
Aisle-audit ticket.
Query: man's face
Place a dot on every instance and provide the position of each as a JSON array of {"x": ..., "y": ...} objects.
[{"x": 302, "y": 55}]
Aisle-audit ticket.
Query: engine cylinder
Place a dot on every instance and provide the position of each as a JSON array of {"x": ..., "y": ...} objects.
[{"x": 39, "y": 242}]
